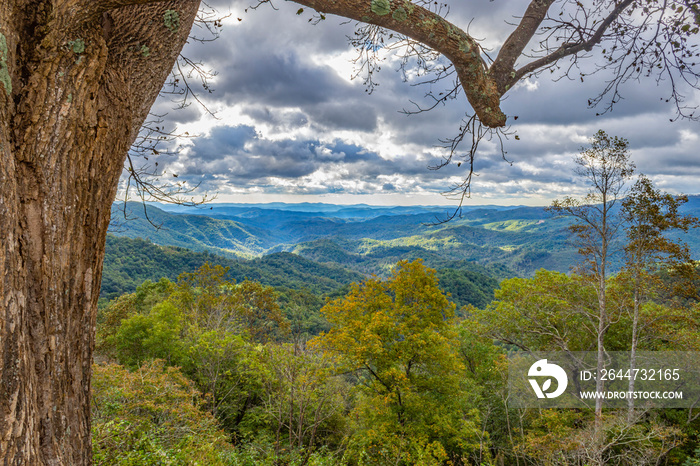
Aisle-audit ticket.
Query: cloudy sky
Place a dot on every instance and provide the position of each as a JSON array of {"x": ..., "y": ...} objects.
[{"x": 290, "y": 123}]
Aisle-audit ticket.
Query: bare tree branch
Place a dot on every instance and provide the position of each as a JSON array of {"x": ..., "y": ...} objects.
[
  {"x": 569, "y": 48},
  {"x": 513, "y": 47}
]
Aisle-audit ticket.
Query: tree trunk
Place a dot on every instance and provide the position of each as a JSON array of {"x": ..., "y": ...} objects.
[
  {"x": 634, "y": 344},
  {"x": 75, "y": 87},
  {"x": 600, "y": 384},
  {"x": 602, "y": 316},
  {"x": 603, "y": 324}
]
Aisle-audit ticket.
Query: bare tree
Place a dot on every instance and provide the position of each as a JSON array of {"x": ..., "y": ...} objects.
[
  {"x": 605, "y": 166},
  {"x": 641, "y": 440}
]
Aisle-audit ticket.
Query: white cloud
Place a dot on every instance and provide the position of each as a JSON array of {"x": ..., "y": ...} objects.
[{"x": 320, "y": 134}]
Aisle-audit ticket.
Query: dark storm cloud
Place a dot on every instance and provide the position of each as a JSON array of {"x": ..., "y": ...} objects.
[
  {"x": 271, "y": 67},
  {"x": 270, "y": 76},
  {"x": 263, "y": 159},
  {"x": 283, "y": 121},
  {"x": 557, "y": 100},
  {"x": 238, "y": 152},
  {"x": 343, "y": 115},
  {"x": 368, "y": 165},
  {"x": 266, "y": 29},
  {"x": 278, "y": 80},
  {"x": 224, "y": 140},
  {"x": 264, "y": 58}
]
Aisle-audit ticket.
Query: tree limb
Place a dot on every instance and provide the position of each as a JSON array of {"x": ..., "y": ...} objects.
[
  {"x": 515, "y": 44},
  {"x": 569, "y": 48},
  {"x": 418, "y": 23}
]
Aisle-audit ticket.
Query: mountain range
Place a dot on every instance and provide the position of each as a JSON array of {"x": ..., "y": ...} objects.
[
  {"x": 366, "y": 238},
  {"x": 340, "y": 243}
]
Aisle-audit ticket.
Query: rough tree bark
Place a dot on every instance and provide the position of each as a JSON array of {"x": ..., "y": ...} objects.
[{"x": 77, "y": 78}]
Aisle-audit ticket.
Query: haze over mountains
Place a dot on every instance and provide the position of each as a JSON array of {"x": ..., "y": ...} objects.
[
  {"x": 335, "y": 244},
  {"x": 524, "y": 238}
]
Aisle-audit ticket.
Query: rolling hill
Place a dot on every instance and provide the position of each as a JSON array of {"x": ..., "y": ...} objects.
[
  {"x": 129, "y": 262},
  {"x": 366, "y": 239}
]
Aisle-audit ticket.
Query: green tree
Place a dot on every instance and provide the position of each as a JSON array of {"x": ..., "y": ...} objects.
[
  {"x": 110, "y": 318},
  {"x": 211, "y": 302},
  {"x": 303, "y": 311},
  {"x": 399, "y": 339},
  {"x": 693, "y": 461},
  {"x": 77, "y": 80},
  {"x": 542, "y": 313},
  {"x": 487, "y": 388},
  {"x": 154, "y": 335},
  {"x": 218, "y": 359},
  {"x": 151, "y": 417},
  {"x": 205, "y": 324},
  {"x": 221, "y": 362},
  {"x": 651, "y": 216}
]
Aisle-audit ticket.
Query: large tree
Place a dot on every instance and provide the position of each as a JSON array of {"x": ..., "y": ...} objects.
[
  {"x": 77, "y": 79},
  {"x": 606, "y": 167},
  {"x": 398, "y": 338},
  {"x": 650, "y": 217}
]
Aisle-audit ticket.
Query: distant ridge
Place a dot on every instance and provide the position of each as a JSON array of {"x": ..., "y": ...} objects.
[
  {"x": 130, "y": 262},
  {"x": 368, "y": 239}
]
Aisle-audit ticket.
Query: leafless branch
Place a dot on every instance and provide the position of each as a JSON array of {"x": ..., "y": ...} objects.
[{"x": 475, "y": 132}]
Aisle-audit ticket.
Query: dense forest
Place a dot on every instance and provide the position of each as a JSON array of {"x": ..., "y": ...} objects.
[
  {"x": 212, "y": 368},
  {"x": 355, "y": 358},
  {"x": 209, "y": 370},
  {"x": 129, "y": 262},
  {"x": 366, "y": 239}
]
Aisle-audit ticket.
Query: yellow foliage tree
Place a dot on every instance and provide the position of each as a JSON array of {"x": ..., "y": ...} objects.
[{"x": 398, "y": 337}]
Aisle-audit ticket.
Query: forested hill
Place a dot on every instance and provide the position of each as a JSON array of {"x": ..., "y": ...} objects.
[
  {"x": 366, "y": 239},
  {"x": 129, "y": 262},
  {"x": 252, "y": 347}
]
